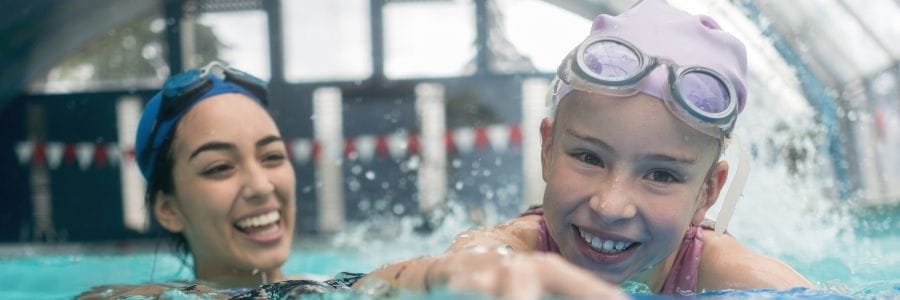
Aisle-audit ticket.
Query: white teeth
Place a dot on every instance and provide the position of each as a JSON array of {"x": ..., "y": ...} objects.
[
  {"x": 605, "y": 246},
  {"x": 259, "y": 220}
]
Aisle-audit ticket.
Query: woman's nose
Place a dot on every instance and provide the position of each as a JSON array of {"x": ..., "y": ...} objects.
[{"x": 257, "y": 183}]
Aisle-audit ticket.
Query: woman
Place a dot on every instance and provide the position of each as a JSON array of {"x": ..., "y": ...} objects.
[{"x": 219, "y": 179}]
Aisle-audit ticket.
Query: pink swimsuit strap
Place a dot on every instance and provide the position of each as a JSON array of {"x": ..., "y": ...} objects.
[{"x": 682, "y": 277}]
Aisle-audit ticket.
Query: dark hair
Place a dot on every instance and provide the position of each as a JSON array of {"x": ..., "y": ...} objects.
[{"x": 163, "y": 181}]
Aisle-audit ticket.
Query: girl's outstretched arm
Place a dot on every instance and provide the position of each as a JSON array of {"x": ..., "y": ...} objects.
[{"x": 498, "y": 261}]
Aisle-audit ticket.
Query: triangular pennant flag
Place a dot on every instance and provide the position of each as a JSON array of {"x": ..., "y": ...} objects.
[
  {"x": 481, "y": 139},
  {"x": 413, "y": 147},
  {"x": 100, "y": 156},
  {"x": 498, "y": 135},
  {"x": 515, "y": 134},
  {"x": 302, "y": 150},
  {"x": 448, "y": 141},
  {"x": 68, "y": 156},
  {"x": 464, "y": 138},
  {"x": 39, "y": 154},
  {"x": 54, "y": 154},
  {"x": 349, "y": 148},
  {"x": 397, "y": 143},
  {"x": 113, "y": 154},
  {"x": 365, "y": 147},
  {"x": 23, "y": 151},
  {"x": 84, "y": 152},
  {"x": 381, "y": 146}
]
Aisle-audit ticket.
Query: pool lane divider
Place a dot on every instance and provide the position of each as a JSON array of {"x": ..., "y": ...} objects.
[{"x": 363, "y": 148}]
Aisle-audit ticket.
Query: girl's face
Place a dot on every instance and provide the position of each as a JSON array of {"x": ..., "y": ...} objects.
[
  {"x": 625, "y": 179},
  {"x": 234, "y": 195}
]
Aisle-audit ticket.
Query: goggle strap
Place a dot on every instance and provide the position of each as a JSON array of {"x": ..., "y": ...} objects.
[
  {"x": 735, "y": 190},
  {"x": 250, "y": 85}
]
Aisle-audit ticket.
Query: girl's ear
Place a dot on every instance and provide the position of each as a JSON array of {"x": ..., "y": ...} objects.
[
  {"x": 712, "y": 188},
  {"x": 546, "y": 143},
  {"x": 167, "y": 212}
]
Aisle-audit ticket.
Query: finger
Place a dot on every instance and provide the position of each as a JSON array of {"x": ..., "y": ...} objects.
[
  {"x": 521, "y": 281},
  {"x": 565, "y": 279}
]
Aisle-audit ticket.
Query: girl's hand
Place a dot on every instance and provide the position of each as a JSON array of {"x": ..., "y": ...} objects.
[{"x": 501, "y": 273}]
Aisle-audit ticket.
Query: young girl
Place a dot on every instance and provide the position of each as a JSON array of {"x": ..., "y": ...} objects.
[
  {"x": 219, "y": 179},
  {"x": 642, "y": 110}
]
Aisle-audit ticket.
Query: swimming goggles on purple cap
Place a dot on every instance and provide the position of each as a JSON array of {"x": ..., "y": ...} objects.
[{"x": 701, "y": 97}]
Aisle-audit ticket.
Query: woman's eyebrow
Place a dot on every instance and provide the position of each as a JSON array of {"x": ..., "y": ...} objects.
[
  {"x": 212, "y": 146},
  {"x": 267, "y": 140}
]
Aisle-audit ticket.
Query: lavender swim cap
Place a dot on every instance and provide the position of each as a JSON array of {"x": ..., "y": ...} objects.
[{"x": 658, "y": 29}]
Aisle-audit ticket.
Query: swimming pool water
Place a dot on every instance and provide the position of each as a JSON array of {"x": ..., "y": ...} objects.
[{"x": 867, "y": 267}]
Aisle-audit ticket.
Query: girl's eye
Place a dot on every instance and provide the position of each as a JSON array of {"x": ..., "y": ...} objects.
[
  {"x": 217, "y": 170},
  {"x": 662, "y": 176},
  {"x": 588, "y": 158}
]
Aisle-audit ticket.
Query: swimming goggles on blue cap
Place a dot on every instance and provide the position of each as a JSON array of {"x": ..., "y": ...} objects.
[
  {"x": 178, "y": 94},
  {"x": 701, "y": 97}
]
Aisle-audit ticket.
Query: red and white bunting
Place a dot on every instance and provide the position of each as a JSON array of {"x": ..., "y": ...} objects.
[
  {"x": 498, "y": 135},
  {"x": 302, "y": 150},
  {"x": 23, "y": 151},
  {"x": 397, "y": 143},
  {"x": 84, "y": 153},
  {"x": 464, "y": 138},
  {"x": 54, "y": 153},
  {"x": 364, "y": 148},
  {"x": 113, "y": 154}
]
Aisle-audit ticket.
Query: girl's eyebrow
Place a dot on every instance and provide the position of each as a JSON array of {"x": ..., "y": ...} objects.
[
  {"x": 669, "y": 158},
  {"x": 650, "y": 157},
  {"x": 584, "y": 137}
]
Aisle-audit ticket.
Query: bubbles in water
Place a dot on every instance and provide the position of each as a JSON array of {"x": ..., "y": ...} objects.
[{"x": 398, "y": 209}]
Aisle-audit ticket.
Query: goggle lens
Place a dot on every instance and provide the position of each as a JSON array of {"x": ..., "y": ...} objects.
[
  {"x": 705, "y": 92},
  {"x": 611, "y": 61}
]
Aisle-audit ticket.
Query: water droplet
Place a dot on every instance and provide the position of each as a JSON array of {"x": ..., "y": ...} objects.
[
  {"x": 370, "y": 175},
  {"x": 459, "y": 185}
]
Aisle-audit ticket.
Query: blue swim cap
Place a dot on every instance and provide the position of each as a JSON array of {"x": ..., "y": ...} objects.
[{"x": 146, "y": 147}]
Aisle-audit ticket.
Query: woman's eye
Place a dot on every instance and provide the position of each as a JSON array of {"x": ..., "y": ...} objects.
[
  {"x": 217, "y": 170},
  {"x": 274, "y": 158},
  {"x": 662, "y": 176},
  {"x": 589, "y": 158}
]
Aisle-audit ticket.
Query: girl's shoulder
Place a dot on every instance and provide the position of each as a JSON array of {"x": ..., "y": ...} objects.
[{"x": 727, "y": 264}]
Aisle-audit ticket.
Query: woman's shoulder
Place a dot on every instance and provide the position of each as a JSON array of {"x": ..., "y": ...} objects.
[{"x": 727, "y": 264}]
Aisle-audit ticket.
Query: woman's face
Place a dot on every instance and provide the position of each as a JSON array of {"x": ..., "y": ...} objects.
[
  {"x": 234, "y": 195},
  {"x": 625, "y": 179}
]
